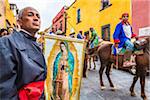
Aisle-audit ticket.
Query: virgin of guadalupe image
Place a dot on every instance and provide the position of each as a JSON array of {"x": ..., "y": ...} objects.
[{"x": 63, "y": 73}]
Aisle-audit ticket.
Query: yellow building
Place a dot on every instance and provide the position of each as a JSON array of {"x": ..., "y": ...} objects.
[
  {"x": 7, "y": 18},
  {"x": 2, "y": 14},
  {"x": 102, "y": 15}
]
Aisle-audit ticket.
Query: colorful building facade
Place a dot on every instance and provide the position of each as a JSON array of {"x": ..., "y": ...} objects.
[
  {"x": 2, "y": 14},
  {"x": 59, "y": 22},
  {"x": 7, "y": 18},
  {"x": 141, "y": 17},
  {"x": 102, "y": 15}
]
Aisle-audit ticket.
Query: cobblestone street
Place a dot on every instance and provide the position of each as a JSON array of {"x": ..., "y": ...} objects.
[{"x": 90, "y": 88}]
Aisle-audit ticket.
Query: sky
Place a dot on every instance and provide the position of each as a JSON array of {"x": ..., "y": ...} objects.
[{"x": 48, "y": 9}]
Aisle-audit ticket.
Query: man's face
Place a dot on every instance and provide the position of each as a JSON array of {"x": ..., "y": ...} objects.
[
  {"x": 125, "y": 18},
  {"x": 91, "y": 29},
  {"x": 30, "y": 20},
  {"x": 80, "y": 32}
]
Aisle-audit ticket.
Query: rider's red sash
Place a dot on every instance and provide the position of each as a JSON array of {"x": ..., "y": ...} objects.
[{"x": 31, "y": 91}]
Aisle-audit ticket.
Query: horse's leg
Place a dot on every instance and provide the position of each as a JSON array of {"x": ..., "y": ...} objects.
[
  {"x": 142, "y": 82},
  {"x": 108, "y": 76},
  {"x": 94, "y": 63},
  {"x": 85, "y": 66},
  {"x": 120, "y": 61},
  {"x": 89, "y": 63},
  {"x": 101, "y": 76},
  {"x": 132, "y": 93}
]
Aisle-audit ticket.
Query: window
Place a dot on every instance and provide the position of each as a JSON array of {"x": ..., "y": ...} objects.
[
  {"x": 106, "y": 32},
  {"x": 56, "y": 27},
  {"x": 78, "y": 16},
  {"x": 60, "y": 28},
  {"x": 105, "y": 4},
  {"x": 14, "y": 8}
]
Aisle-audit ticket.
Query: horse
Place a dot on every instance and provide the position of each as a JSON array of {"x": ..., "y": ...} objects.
[
  {"x": 104, "y": 52},
  {"x": 142, "y": 64},
  {"x": 87, "y": 58}
]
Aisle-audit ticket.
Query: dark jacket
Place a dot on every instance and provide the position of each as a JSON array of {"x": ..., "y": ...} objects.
[{"x": 21, "y": 62}]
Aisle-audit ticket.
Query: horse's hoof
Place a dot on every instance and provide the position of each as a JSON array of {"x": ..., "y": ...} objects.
[
  {"x": 133, "y": 94},
  {"x": 113, "y": 88},
  {"x": 94, "y": 68},
  {"x": 89, "y": 69},
  {"x": 103, "y": 87},
  {"x": 144, "y": 97}
]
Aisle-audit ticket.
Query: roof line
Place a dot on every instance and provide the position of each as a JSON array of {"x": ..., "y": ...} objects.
[{"x": 71, "y": 5}]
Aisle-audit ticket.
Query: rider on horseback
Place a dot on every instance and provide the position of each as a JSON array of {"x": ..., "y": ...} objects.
[
  {"x": 122, "y": 36},
  {"x": 94, "y": 38}
]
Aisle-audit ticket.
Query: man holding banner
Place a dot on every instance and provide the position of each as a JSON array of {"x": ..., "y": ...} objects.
[{"x": 22, "y": 64}]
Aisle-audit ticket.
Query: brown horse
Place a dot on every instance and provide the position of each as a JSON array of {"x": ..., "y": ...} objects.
[
  {"x": 87, "y": 58},
  {"x": 142, "y": 64},
  {"x": 106, "y": 58}
]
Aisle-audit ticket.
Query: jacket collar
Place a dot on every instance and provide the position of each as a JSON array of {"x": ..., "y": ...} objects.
[
  {"x": 123, "y": 23},
  {"x": 27, "y": 34}
]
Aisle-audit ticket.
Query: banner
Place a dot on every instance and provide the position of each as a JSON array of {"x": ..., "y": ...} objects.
[{"x": 64, "y": 57}]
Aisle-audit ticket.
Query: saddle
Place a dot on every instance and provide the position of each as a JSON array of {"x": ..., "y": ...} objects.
[{"x": 129, "y": 59}]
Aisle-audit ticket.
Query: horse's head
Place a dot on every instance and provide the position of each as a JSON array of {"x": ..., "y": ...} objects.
[
  {"x": 142, "y": 43},
  {"x": 148, "y": 45}
]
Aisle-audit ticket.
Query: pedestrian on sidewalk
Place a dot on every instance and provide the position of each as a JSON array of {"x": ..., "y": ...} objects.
[{"x": 22, "y": 64}]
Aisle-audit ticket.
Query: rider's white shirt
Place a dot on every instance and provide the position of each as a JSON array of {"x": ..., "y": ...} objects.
[{"x": 127, "y": 30}]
